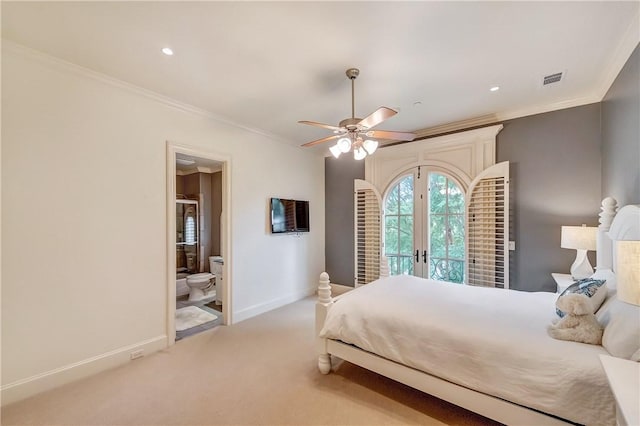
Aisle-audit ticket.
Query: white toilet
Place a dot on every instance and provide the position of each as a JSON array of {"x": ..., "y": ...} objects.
[{"x": 201, "y": 286}]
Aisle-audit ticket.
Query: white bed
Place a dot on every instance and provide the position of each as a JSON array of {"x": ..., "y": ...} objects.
[{"x": 484, "y": 349}]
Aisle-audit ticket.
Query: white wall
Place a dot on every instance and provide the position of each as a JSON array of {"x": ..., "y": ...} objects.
[{"x": 84, "y": 219}]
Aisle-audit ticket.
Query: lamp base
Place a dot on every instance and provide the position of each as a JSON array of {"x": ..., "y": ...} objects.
[{"x": 581, "y": 267}]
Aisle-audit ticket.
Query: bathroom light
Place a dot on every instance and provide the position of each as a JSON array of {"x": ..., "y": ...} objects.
[
  {"x": 167, "y": 51},
  {"x": 495, "y": 88},
  {"x": 185, "y": 161}
]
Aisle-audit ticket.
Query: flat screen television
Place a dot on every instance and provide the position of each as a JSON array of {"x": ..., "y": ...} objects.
[{"x": 289, "y": 216}]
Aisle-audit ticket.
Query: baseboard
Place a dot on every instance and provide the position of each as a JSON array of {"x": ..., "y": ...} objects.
[
  {"x": 261, "y": 308},
  {"x": 30, "y": 386},
  {"x": 338, "y": 289}
]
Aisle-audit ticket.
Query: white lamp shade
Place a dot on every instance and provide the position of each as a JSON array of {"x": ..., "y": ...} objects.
[
  {"x": 628, "y": 271},
  {"x": 578, "y": 237},
  {"x": 344, "y": 144},
  {"x": 370, "y": 145},
  {"x": 359, "y": 153},
  {"x": 335, "y": 150}
]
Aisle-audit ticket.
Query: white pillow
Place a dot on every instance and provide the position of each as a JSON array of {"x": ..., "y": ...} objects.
[
  {"x": 607, "y": 275},
  {"x": 621, "y": 322},
  {"x": 594, "y": 289}
]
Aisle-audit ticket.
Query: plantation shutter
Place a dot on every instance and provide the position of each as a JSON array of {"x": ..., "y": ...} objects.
[
  {"x": 488, "y": 228},
  {"x": 367, "y": 215}
]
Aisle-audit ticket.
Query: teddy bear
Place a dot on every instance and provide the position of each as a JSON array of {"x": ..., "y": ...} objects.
[{"x": 579, "y": 324}]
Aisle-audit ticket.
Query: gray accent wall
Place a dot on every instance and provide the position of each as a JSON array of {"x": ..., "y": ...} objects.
[
  {"x": 621, "y": 135},
  {"x": 555, "y": 180},
  {"x": 562, "y": 164},
  {"x": 338, "y": 183}
]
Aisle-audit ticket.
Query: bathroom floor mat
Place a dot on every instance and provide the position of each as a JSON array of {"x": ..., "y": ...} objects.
[{"x": 192, "y": 316}]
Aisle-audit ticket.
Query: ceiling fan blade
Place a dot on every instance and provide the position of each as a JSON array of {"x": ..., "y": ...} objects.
[
  {"x": 319, "y": 141},
  {"x": 387, "y": 134},
  {"x": 324, "y": 126},
  {"x": 377, "y": 117}
]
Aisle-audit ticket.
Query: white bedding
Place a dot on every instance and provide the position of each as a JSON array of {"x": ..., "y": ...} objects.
[{"x": 491, "y": 340}]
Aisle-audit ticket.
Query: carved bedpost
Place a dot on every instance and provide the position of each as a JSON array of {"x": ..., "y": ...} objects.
[
  {"x": 384, "y": 266},
  {"x": 324, "y": 289},
  {"x": 604, "y": 245},
  {"x": 322, "y": 306}
]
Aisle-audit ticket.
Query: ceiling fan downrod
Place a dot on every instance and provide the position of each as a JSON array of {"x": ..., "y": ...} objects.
[{"x": 353, "y": 73}]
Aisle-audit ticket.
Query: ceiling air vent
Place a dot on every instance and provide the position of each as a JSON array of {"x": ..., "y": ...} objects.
[{"x": 551, "y": 78}]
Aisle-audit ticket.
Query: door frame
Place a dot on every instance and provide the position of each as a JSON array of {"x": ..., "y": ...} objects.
[{"x": 173, "y": 149}]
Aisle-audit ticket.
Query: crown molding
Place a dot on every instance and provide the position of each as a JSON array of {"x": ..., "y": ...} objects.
[
  {"x": 485, "y": 120},
  {"x": 61, "y": 64},
  {"x": 630, "y": 40},
  {"x": 456, "y": 126},
  {"x": 555, "y": 106}
]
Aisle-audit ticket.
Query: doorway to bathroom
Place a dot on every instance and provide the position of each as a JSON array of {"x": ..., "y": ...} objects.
[{"x": 198, "y": 248}]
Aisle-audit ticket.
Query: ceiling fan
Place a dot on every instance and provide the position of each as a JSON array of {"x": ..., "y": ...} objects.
[{"x": 355, "y": 132}]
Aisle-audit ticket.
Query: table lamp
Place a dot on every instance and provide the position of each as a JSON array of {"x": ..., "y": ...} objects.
[
  {"x": 628, "y": 271},
  {"x": 581, "y": 238}
]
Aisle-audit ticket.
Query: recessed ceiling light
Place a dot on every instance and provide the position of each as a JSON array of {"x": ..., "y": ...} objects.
[
  {"x": 167, "y": 51},
  {"x": 495, "y": 88}
]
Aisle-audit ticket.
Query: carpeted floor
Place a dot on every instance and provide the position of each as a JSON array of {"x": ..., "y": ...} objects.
[{"x": 262, "y": 371}]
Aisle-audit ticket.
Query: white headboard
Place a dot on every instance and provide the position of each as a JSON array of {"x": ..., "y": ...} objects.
[{"x": 614, "y": 226}]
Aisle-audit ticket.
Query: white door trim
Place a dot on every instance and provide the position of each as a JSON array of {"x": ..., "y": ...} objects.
[{"x": 174, "y": 148}]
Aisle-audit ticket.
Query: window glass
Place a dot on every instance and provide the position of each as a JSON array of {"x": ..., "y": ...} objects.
[
  {"x": 190, "y": 230},
  {"x": 398, "y": 222},
  {"x": 446, "y": 229}
]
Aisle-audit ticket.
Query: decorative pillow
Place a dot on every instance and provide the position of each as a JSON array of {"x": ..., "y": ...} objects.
[
  {"x": 621, "y": 322},
  {"x": 605, "y": 274},
  {"x": 594, "y": 289}
]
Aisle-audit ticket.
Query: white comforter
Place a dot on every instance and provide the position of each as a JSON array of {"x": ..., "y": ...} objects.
[{"x": 491, "y": 340}]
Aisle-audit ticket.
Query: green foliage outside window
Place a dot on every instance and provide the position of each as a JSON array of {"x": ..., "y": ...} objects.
[
  {"x": 398, "y": 237},
  {"x": 446, "y": 228}
]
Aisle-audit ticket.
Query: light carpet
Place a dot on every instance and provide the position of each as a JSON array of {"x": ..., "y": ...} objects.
[
  {"x": 192, "y": 316},
  {"x": 261, "y": 371}
]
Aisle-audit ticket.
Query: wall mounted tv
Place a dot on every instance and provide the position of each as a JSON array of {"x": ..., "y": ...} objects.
[{"x": 289, "y": 216}]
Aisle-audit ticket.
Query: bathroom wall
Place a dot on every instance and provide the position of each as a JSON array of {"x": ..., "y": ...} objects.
[
  {"x": 179, "y": 184},
  {"x": 190, "y": 185},
  {"x": 97, "y": 304},
  {"x": 209, "y": 186},
  {"x": 205, "y": 221},
  {"x": 216, "y": 211}
]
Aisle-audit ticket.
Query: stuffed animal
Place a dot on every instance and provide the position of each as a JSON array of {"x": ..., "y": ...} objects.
[{"x": 579, "y": 323}]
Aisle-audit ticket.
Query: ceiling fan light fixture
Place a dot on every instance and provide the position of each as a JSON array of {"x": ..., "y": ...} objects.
[
  {"x": 351, "y": 132},
  {"x": 359, "y": 153},
  {"x": 344, "y": 144},
  {"x": 370, "y": 146},
  {"x": 335, "y": 150}
]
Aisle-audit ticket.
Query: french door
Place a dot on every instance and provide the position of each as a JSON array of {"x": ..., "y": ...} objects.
[
  {"x": 432, "y": 228},
  {"x": 424, "y": 224}
]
